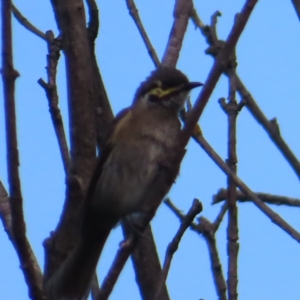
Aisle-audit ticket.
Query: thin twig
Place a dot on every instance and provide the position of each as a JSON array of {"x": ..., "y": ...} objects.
[
  {"x": 296, "y": 4},
  {"x": 134, "y": 13},
  {"x": 116, "y": 267},
  {"x": 33, "y": 276},
  {"x": 219, "y": 65},
  {"x": 231, "y": 109},
  {"x": 22, "y": 20},
  {"x": 54, "y": 47},
  {"x": 93, "y": 26},
  {"x": 102, "y": 108},
  {"x": 182, "y": 11},
  {"x": 267, "y": 198},
  {"x": 194, "y": 226},
  {"x": 195, "y": 209},
  {"x": 220, "y": 216},
  {"x": 6, "y": 217},
  {"x": 274, "y": 217},
  {"x": 208, "y": 230},
  {"x": 270, "y": 126},
  {"x": 146, "y": 264}
]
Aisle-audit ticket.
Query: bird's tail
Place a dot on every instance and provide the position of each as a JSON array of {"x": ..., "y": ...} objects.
[{"x": 72, "y": 279}]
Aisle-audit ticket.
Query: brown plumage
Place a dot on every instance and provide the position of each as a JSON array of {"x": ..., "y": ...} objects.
[{"x": 138, "y": 143}]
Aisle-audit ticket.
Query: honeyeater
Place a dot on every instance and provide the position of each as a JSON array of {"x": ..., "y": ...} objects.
[{"x": 137, "y": 145}]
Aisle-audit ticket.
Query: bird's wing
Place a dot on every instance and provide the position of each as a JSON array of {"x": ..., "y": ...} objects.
[{"x": 105, "y": 152}]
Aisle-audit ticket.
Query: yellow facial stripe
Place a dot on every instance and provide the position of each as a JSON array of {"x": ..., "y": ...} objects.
[{"x": 159, "y": 92}]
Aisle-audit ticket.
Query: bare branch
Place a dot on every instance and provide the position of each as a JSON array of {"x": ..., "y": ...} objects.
[
  {"x": 146, "y": 264},
  {"x": 296, "y": 4},
  {"x": 206, "y": 31},
  {"x": 102, "y": 108},
  {"x": 54, "y": 47},
  {"x": 70, "y": 18},
  {"x": 267, "y": 198},
  {"x": 134, "y": 13},
  {"x": 6, "y": 217},
  {"x": 208, "y": 230},
  {"x": 220, "y": 216},
  {"x": 231, "y": 108},
  {"x": 275, "y": 218},
  {"x": 116, "y": 267},
  {"x": 195, "y": 209},
  {"x": 22, "y": 20},
  {"x": 196, "y": 20},
  {"x": 93, "y": 26},
  {"x": 32, "y": 274},
  {"x": 271, "y": 126},
  {"x": 220, "y": 63},
  {"x": 181, "y": 15}
]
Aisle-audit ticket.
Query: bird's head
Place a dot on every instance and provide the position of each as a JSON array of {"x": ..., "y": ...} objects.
[{"x": 167, "y": 87}]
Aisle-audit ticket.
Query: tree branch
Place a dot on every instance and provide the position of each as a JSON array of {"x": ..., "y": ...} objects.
[
  {"x": 231, "y": 108},
  {"x": 275, "y": 218},
  {"x": 54, "y": 47},
  {"x": 22, "y": 20},
  {"x": 146, "y": 264},
  {"x": 134, "y": 13},
  {"x": 70, "y": 17},
  {"x": 102, "y": 108},
  {"x": 296, "y": 4},
  {"x": 93, "y": 26},
  {"x": 219, "y": 65},
  {"x": 30, "y": 270},
  {"x": 208, "y": 230},
  {"x": 181, "y": 14},
  {"x": 267, "y": 198},
  {"x": 117, "y": 266},
  {"x": 271, "y": 127},
  {"x": 195, "y": 209}
]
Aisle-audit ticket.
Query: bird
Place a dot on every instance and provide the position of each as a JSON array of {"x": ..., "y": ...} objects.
[{"x": 138, "y": 143}]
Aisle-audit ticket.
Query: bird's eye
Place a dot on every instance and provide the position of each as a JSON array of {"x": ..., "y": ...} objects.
[{"x": 153, "y": 98}]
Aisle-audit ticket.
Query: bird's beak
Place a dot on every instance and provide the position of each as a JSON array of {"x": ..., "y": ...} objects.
[{"x": 190, "y": 85}]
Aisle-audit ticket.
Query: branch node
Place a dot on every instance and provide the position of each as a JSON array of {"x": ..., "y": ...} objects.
[{"x": 274, "y": 126}]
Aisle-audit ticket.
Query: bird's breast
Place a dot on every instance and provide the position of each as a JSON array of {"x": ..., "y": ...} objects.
[{"x": 141, "y": 144}]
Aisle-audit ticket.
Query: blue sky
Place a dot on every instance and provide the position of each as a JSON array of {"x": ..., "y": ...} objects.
[{"x": 268, "y": 64}]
